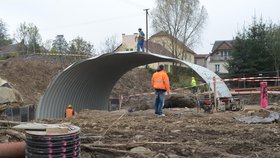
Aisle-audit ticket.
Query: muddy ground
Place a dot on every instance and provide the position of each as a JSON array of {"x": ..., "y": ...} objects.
[{"x": 181, "y": 133}]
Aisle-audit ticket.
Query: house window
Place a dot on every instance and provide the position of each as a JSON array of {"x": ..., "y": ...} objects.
[
  {"x": 167, "y": 67},
  {"x": 226, "y": 53},
  {"x": 131, "y": 49},
  {"x": 127, "y": 49},
  {"x": 222, "y": 53},
  {"x": 217, "y": 67}
]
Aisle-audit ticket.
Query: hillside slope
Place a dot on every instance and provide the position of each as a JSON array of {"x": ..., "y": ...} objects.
[{"x": 31, "y": 76}]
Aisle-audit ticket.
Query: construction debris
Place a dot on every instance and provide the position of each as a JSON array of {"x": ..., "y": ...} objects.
[
  {"x": 8, "y": 94},
  {"x": 271, "y": 118}
]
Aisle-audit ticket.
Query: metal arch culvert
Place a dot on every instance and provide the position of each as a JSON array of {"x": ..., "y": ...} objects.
[{"x": 88, "y": 83}]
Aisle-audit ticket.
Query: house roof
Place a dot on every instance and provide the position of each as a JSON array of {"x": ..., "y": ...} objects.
[
  {"x": 153, "y": 48},
  {"x": 157, "y": 49},
  {"x": 117, "y": 47},
  {"x": 9, "y": 48},
  {"x": 217, "y": 44},
  {"x": 165, "y": 34},
  {"x": 201, "y": 56}
]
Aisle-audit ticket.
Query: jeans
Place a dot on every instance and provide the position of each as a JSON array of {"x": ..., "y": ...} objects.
[
  {"x": 159, "y": 102},
  {"x": 140, "y": 44}
]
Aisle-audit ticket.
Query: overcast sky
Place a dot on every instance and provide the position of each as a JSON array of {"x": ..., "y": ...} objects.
[{"x": 94, "y": 20}]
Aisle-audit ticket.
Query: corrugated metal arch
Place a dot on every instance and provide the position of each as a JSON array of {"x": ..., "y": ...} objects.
[{"x": 88, "y": 83}]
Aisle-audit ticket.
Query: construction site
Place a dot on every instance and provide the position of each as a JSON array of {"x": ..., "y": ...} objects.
[{"x": 115, "y": 110}]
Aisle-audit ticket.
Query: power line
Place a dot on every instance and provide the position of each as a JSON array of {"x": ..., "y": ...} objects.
[{"x": 147, "y": 43}]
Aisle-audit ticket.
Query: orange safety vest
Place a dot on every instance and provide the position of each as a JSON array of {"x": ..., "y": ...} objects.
[
  {"x": 160, "y": 80},
  {"x": 69, "y": 113}
]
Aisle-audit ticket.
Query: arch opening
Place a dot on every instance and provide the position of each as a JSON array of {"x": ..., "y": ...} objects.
[{"x": 88, "y": 83}]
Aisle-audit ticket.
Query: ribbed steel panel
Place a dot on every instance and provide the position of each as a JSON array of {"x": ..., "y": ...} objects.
[{"x": 88, "y": 84}]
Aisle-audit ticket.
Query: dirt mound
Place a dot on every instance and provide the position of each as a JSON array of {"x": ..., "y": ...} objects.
[
  {"x": 180, "y": 100},
  {"x": 136, "y": 81},
  {"x": 29, "y": 77},
  {"x": 142, "y": 102},
  {"x": 131, "y": 86},
  {"x": 256, "y": 112}
]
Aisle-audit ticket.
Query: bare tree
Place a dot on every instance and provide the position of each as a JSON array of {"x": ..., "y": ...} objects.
[
  {"x": 29, "y": 36},
  {"x": 35, "y": 39},
  {"x": 47, "y": 45},
  {"x": 183, "y": 20},
  {"x": 21, "y": 33},
  {"x": 109, "y": 44}
]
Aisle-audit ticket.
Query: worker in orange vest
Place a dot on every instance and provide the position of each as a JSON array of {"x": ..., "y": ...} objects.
[
  {"x": 160, "y": 83},
  {"x": 70, "y": 113}
]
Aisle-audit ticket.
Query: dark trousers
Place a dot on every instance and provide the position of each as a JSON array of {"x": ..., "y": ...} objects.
[{"x": 193, "y": 90}]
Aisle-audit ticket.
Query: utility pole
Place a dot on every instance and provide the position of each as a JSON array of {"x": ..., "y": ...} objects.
[
  {"x": 34, "y": 48},
  {"x": 147, "y": 13}
]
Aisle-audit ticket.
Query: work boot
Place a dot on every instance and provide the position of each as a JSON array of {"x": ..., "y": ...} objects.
[{"x": 161, "y": 115}]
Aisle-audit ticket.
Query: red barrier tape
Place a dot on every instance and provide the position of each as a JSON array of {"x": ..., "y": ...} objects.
[{"x": 257, "y": 79}]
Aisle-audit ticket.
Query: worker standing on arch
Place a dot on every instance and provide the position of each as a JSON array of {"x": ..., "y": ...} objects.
[{"x": 140, "y": 40}]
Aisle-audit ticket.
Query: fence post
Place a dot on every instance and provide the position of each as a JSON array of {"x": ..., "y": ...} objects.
[
  {"x": 215, "y": 96},
  {"x": 120, "y": 101},
  {"x": 264, "y": 95}
]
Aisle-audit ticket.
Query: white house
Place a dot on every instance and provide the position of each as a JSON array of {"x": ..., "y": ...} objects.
[{"x": 217, "y": 59}]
